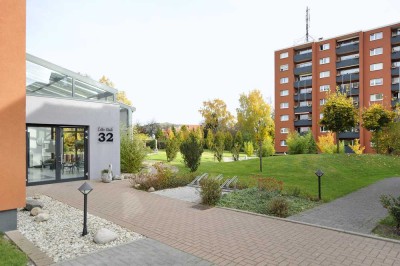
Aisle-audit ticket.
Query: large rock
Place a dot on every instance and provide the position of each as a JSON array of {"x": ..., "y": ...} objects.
[
  {"x": 151, "y": 189},
  {"x": 104, "y": 236},
  {"x": 41, "y": 217},
  {"x": 31, "y": 203},
  {"x": 35, "y": 211}
]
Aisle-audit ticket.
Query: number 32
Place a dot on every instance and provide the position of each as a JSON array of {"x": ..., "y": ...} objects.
[{"x": 106, "y": 137}]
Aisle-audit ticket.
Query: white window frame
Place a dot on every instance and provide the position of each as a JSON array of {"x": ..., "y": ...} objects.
[
  {"x": 284, "y": 105},
  {"x": 376, "y": 36},
  {"x": 376, "y": 82},
  {"x": 284, "y": 67},
  {"x": 284, "y": 55},
  {"x": 322, "y": 102},
  {"x": 321, "y": 115},
  {"x": 284, "y": 118},
  {"x": 322, "y": 129},
  {"x": 376, "y": 67},
  {"x": 324, "y": 47},
  {"x": 284, "y": 80},
  {"x": 283, "y": 143},
  {"x": 284, "y": 92},
  {"x": 284, "y": 130},
  {"x": 373, "y": 97},
  {"x": 323, "y": 88},
  {"x": 325, "y": 60},
  {"x": 324, "y": 74},
  {"x": 376, "y": 51}
]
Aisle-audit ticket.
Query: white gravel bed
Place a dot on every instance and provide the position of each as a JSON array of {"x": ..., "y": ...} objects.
[
  {"x": 190, "y": 194},
  {"x": 60, "y": 237}
]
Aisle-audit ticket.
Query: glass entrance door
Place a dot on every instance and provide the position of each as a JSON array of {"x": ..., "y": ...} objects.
[{"x": 56, "y": 153}]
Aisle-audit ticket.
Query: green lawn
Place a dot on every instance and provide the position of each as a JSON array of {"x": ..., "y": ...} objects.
[
  {"x": 11, "y": 255},
  {"x": 343, "y": 173}
]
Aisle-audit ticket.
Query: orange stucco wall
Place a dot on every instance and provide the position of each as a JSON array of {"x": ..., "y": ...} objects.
[{"x": 12, "y": 104}]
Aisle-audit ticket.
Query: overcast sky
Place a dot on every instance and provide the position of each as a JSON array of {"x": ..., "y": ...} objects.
[{"x": 171, "y": 55}]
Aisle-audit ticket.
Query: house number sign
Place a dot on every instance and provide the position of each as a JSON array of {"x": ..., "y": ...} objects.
[{"x": 105, "y": 134}]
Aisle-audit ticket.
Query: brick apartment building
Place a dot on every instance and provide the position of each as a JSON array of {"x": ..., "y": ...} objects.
[{"x": 365, "y": 64}]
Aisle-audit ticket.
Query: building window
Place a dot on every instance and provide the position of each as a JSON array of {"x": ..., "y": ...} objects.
[
  {"x": 284, "y": 80},
  {"x": 321, "y": 115},
  {"x": 376, "y": 51},
  {"x": 285, "y": 93},
  {"x": 305, "y": 90},
  {"x": 376, "y": 97},
  {"x": 371, "y": 144},
  {"x": 324, "y": 74},
  {"x": 284, "y": 67},
  {"x": 395, "y": 80},
  {"x": 305, "y": 64},
  {"x": 322, "y": 102},
  {"x": 284, "y": 117},
  {"x": 323, "y": 129},
  {"x": 284, "y": 105},
  {"x": 376, "y": 36},
  {"x": 324, "y": 88},
  {"x": 376, "y": 82},
  {"x": 284, "y": 55},
  {"x": 304, "y": 129},
  {"x": 283, "y": 143},
  {"x": 324, "y": 47},
  {"x": 284, "y": 130},
  {"x": 324, "y": 61},
  {"x": 374, "y": 67}
]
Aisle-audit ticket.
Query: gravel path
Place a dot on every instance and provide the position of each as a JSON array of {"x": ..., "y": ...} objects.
[
  {"x": 60, "y": 236},
  {"x": 359, "y": 211}
]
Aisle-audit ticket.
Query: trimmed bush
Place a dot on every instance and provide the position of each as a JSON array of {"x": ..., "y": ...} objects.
[
  {"x": 278, "y": 206},
  {"x": 210, "y": 191},
  {"x": 248, "y": 148},
  {"x": 298, "y": 144},
  {"x": 219, "y": 145},
  {"x": 191, "y": 149},
  {"x": 132, "y": 152},
  {"x": 172, "y": 148}
]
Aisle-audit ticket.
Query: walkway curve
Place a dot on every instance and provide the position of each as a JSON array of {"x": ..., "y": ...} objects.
[
  {"x": 359, "y": 211},
  {"x": 223, "y": 236}
]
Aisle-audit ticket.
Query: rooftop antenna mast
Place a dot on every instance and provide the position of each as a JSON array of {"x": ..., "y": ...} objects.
[{"x": 307, "y": 23}]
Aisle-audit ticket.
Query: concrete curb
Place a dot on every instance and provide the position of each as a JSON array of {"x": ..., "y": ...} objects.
[{"x": 314, "y": 225}]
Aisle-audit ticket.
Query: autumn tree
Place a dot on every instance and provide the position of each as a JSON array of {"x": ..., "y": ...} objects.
[
  {"x": 340, "y": 115},
  {"x": 216, "y": 116},
  {"x": 254, "y": 111},
  {"x": 121, "y": 96}
]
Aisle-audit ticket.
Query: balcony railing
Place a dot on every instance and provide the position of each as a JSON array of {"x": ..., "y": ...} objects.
[
  {"x": 347, "y": 63},
  {"x": 396, "y": 39},
  {"x": 350, "y": 91},
  {"x": 302, "y": 83},
  {"x": 302, "y": 109},
  {"x": 303, "y": 97},
  {"x": 348, "y": 77},
  {"x": 396, "y": 55},
  {"x": 302, "y": 70},
  {"x": 395, "y": 71},
  {"x": 302, "y": 123},
  {"x": 395, "y": 102},
  {"x": 396, "y": 87},
  {"x": 347, "y": 49},
  {"x": 302, "y": 57},
  {"x": 349, "y": 135}
]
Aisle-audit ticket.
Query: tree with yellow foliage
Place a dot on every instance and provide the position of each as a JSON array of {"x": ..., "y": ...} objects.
[
  {"x": 121, "y": 96},
  {"x": 216, "y": 116}
]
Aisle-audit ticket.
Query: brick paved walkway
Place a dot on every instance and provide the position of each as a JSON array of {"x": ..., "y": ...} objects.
[{"x": 224, "y": 236}]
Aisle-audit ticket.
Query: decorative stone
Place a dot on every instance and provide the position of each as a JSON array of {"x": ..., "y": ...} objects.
[
  {"x": 104, "y": 236},
  {"x": 41, "y": 217},
  {"x": 35, "y": 211},
  {"x": 151, "y": 189},
  {"x": 137, "y": 186},
  {"x": 31, "y": 203},
  {"x": 44, "y": 211},
  {"x": 117, "y": 177}
]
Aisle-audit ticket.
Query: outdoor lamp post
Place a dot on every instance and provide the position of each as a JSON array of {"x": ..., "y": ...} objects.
[
  {"x": 319, "y": 173},
  {"x": 85, "y": 189}
]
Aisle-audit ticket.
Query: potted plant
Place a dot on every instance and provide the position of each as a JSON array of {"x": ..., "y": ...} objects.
[{"x": 105, "y": 176}]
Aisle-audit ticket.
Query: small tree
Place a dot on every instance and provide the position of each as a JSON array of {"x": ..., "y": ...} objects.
[
  {"x": 339, "y": 114},
  {"x": 237, "y": 146},
  {"x": 356, "y": 147},
  {"x": 249, "y": 148},
  {"x": 210, "y": 139},
  {"x": 191, "y": 149},
  {"x": 228, "y": 141},
  {"x": 133, "y": 151},
  {"x": 326, "y": 143},
  {"x": 219, "y": 145},
  {"x": 172, "y": 148}
]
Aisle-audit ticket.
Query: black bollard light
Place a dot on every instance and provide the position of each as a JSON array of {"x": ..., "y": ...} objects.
[
  {"x": 319, "y": 173},
  {"x": 85, "y": 189}
]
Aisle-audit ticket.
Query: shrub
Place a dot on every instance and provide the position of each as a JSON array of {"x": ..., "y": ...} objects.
[
  {"x": 248, "y": 148},
  {"x": 210, "y": 191},
  {"x": 218, "y": 146},
  {"x": 326, "y": 144},
  {"x": 228, "y": 141},
  {"x": 172, "y": 148},
  {"x": 151, "y": 144},
  {"x": 295, "y": 192},
  {"x": 237, "y": 146},
  {"x": 210, "y": 139},
  {"x": 191, "y": 149},
  {"x": 310, "y": 143},
  {"x": 301, "y": 144},
  {"x": 356, "y": 147},
  {"x": 392, "y": 204},
  {"x": 278, "y": 206},
  {"x": 267, "y": 148},
  {"x": 132, "y": 152},
  {"x": 269, "y": 184}
]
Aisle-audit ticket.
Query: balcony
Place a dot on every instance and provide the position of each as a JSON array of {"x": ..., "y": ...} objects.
[
  {"x": 394, "y": 103},
  {"x": 349, "y": 92},
  {"x": 347, "y": 49},
  {"x": 396, "y": 55},
  {"x": 347, "y": 63},
  {"x": 302, "y": 70},
  {"x": 348, "y": 77},
  {"x": 396, "y": 87},
  {"x": 303, "y": 83},
  {"x": 302, "y": 57},
  {"x": 302, "y": 97},
  {"x": 395, "y": 71},
  {"x": 302, "y": 109},
  {"x": 396, "y": 39},
  {"x": 303, "y": 123},
  {"x": 349, "y": 135}
]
